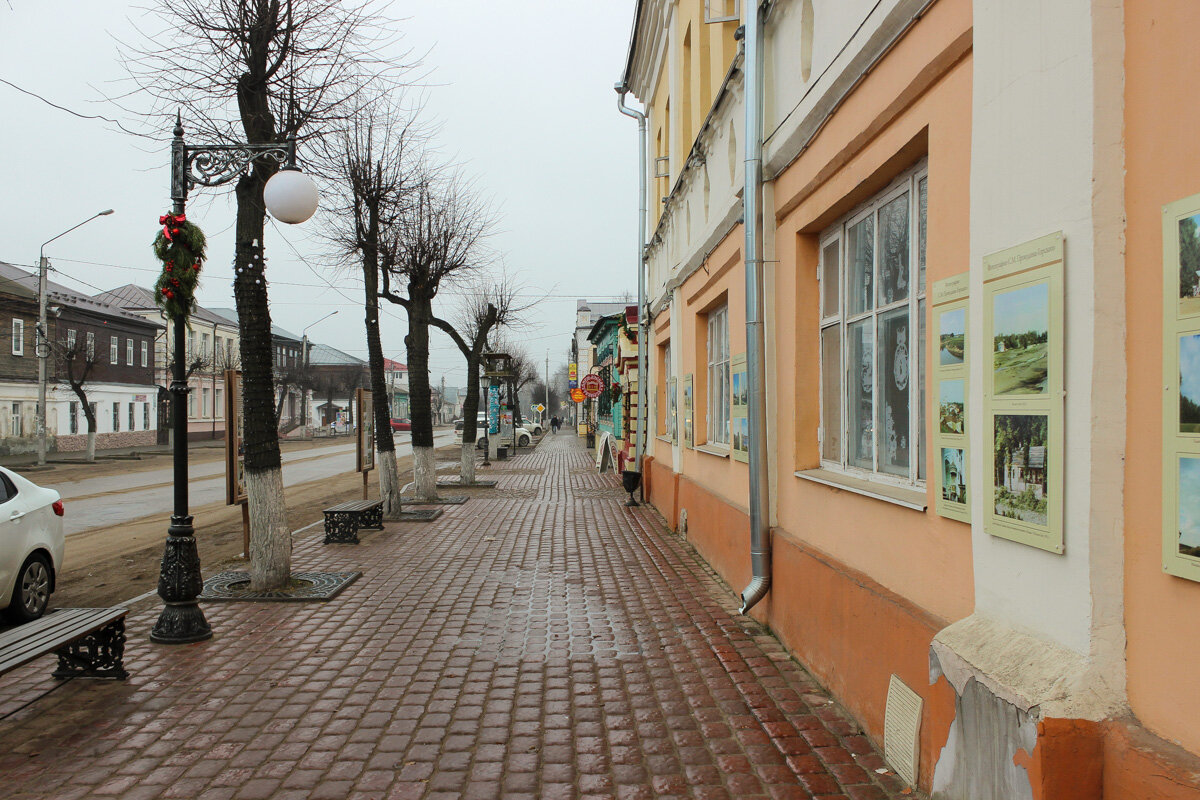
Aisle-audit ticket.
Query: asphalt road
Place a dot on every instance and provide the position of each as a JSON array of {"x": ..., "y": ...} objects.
[{"x": 111, "y": 500}]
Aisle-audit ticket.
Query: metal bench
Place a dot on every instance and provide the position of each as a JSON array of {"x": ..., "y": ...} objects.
[
  {"x": 343, "y": 520},
  {"x": 89, "y": 642}
]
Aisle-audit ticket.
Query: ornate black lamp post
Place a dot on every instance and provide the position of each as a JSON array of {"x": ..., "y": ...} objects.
[{"x": 290, "y": 197}]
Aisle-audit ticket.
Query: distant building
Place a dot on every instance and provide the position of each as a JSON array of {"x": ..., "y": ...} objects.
[
  {"x": 211, "y": 348},
  {"x": 117, "y": 347}
]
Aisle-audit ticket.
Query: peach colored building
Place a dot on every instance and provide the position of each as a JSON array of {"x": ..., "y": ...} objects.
[{"x": 974, "y": 482}]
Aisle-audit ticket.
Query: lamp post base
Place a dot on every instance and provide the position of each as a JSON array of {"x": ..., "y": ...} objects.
[{"x": 179, "y": 584}]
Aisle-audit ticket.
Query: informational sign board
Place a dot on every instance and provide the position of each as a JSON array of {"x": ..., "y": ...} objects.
[
  {"x": 951, "y": 371},
  {"x": 739, "y": 408},
  {"x": 689, "y": 435},
  {"x": 572, "y": 375},
  {"x": 1023, "y": 393},
  {"x": 592, "y": 385},
  {"x": 235, "y": 456},
  {"x": 506, "y": 424},
  {"x": 365, "y": 449},
  {"x": 577, "y": 395},
  {"x": 1181, "y": 384},
  {"x": 493, "y": 415}
]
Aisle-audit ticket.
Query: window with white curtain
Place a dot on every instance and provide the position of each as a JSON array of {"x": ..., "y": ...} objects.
[
  {"x": 18, "y": 337},
  {"x": 718, "y": 375},
  {"x": 872, "y": 297}
]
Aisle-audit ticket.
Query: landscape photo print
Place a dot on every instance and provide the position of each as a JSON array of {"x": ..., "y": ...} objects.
[
  {"x": 1021, "y": 462},
  {"x": 952, "y": 337},
  {"x": 1021, "y": 340},
  {"x": 1189, "y": 383},
  {"x": 1189, "y": 506}
]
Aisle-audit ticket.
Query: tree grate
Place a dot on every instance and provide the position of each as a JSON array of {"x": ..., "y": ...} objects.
[{"x": 303, "y": 586}]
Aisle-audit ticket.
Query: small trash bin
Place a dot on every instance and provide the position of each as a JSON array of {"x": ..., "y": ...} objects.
[
  {"x": 502, "y": 453},
  {"x": 591, "y": 441}
]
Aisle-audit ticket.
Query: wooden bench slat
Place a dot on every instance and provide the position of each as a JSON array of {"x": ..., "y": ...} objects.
[
  {"x": 50, "y": 625},
  {"x": 355, "y": 505},
  {"x": 47, "y": 639},
  {"x": 52, "y": 632}
]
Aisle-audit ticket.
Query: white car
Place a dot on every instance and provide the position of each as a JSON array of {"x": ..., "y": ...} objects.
[
  {"x": 31, "y": 546},
  {"x": 534, "y": 427},
  {"x": 523, "y": 438}
]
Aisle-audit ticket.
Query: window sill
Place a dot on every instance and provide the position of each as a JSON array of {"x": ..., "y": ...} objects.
[
  {"x": 898, "y": 495},
  {"x": 713, "y": 450},
  {"x": 666, "y": 439}
]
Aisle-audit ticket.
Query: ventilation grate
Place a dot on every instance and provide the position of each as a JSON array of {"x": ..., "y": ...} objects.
[{"x": 902, "y": 729}]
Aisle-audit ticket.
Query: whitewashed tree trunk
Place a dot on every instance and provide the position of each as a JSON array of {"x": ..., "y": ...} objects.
[
  {"x": 389, "y": 485},
  {"x": 91, "y": 446},
  {"x": 466, "y": 470},
  {"x": 424, "y": 473},
  {"x": 270, "y": 536}
]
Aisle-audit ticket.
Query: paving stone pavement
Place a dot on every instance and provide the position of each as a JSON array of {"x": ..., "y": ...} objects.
[{"x": 540, "y": 641}]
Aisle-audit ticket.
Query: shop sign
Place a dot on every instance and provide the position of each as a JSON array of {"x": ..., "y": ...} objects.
[{"x": 592, "y": 385}]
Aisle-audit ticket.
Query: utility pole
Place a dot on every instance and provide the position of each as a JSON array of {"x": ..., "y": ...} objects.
[
  {"x": 41, "y": 342},
  {"x": 547, "y": 403}
]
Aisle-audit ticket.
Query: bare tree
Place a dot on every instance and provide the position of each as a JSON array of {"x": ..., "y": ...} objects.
[
  {"x": 258, "y": 71},
  {"x": 77, "y": 359},
  {"x": 439, "y": 239},
  {"x": 487, "y": 305},
  {"x": 374, "y": 163}
]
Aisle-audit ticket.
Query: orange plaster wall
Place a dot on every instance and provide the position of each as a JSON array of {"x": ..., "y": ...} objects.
[
  {"x": 919, "y": 555},
  {"x": 853, "y": 634},
  {"x": 1163, "y": 165},
  {"x": 1140, "y": 765}
]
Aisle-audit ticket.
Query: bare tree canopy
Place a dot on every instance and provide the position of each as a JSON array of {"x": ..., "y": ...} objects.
[
  {"x": 440, "y": 238},
  {"x": 374, "y": 166},
  {"x": 258, "y": 71},
  {"x": 261, "y": 70}
]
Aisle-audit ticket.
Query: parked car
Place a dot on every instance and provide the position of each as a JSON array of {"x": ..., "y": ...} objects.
[
  {"x": 523, "y": 438},
  {"x": 533, "y": 426},
  {"x": 401, "y": 424},
  {"x": 31, "y": 546}
]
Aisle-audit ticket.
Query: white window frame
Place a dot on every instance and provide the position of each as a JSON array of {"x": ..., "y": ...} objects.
[
  {"x": 132, "y": 419},
  {"x": 129, "y": 352},
  {"x": 145, "y": 353},
  {"x": 91, "y": 345},
  {"x": 114, "y": 349},
  {"x": 73, "y": 417},
  {"x": 116, "y": 419},
  {"x": 70, "y": 339},
  {"x": 717, "y": 323},
  {"x": 909, "y": 182},
  {"x": 18, "y": 337},
  {"x": 14, "y": 420}
]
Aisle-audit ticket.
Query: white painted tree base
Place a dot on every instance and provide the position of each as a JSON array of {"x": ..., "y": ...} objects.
[
  {"x": 466, "y": 465},
  {"x": 270, "y": 536},
  {"x": 424, "y": 474},
  {"x": 389, "y": 485}
]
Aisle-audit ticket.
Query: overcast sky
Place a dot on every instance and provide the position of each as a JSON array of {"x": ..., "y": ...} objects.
[{"x": 522, "y": 92}]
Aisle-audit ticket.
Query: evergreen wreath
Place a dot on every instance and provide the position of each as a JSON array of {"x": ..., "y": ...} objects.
[{"x": 180, "y": 248}]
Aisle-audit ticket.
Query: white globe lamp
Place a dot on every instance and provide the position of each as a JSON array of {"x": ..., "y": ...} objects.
[{"x": 291, "y": 196}]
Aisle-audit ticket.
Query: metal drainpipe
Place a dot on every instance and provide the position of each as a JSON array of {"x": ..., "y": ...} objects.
[
  {"x": 752, "y": 223},
  {"x": 643, "y": 340}
]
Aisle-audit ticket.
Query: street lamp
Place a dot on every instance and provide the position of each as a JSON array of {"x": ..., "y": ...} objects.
[
  {"x": 41, "y": 348},
  {"x": 290, "y": 197},
  {"x": 304, "y": 360}
]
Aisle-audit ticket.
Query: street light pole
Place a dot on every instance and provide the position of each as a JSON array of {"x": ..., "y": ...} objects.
[
  {"x": 179, "y": 580},
  {"x": 41, "y": 347},
  {"x": 304, "y": 368}
]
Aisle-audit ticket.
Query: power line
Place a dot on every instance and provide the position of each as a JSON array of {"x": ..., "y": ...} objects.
[{"x": 76, "y": 113}]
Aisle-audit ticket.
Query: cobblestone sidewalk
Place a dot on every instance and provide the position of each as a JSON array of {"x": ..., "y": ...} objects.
[{"x": 540, "y": 641}]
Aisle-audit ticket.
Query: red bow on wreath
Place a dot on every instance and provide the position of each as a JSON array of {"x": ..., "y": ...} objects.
[{"x": 170, "y": 223}]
